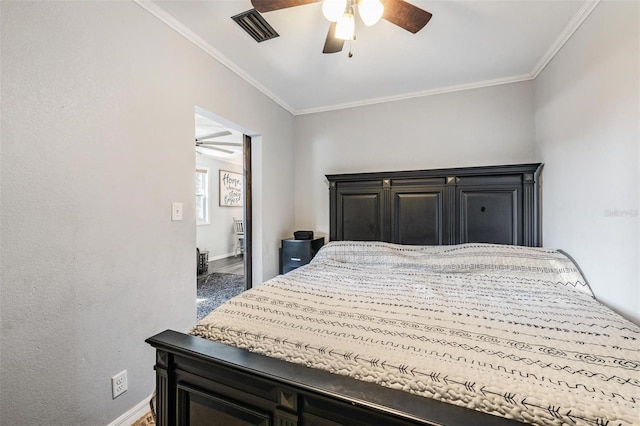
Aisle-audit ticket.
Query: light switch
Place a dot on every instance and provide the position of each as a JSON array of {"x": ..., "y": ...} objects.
[{"x": 176, "y": 211}]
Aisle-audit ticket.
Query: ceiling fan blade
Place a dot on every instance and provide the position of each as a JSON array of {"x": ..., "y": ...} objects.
[
  {"x": 332, "y": 44},
  {"x": 405, "y": 15},
  {"x": 214, "y": 135},
  {"x": 207, "y": 143},
  {"x": 269, "y": 5},
  {"x": 226, "y": 151}
]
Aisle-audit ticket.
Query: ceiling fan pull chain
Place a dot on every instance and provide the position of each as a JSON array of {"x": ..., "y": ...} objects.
[{"x": 351, "y": 44}]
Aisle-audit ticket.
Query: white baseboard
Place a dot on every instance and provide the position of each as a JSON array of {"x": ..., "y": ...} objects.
[
  {"x": 130, "y": 417},
  {"x": 222, "y": 256}
]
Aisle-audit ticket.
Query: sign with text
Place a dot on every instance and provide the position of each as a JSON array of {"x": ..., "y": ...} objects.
[{"x": 230, "y": 189}]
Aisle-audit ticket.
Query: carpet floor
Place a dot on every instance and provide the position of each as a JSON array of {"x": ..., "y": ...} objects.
[{"x": 216, "y": 288}]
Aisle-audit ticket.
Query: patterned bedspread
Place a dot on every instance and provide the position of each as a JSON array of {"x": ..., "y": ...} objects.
[{"x": 511, "y": 331}]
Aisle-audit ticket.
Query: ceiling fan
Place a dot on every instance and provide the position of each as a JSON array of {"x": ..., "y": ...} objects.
[
  {"x": 204, "y": 142},
  {"x": 341, "y": 14}
]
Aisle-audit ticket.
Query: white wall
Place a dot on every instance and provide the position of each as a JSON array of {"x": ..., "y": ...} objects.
[
  {"x": 487, "y": 126},
  {"x": 587, "y": 129},
  {"x": 217, "y": 236},
  {"x": 97, "y": 136}
]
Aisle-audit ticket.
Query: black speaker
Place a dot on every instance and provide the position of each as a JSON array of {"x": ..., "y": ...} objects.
[{"x": 303, "y": 235}]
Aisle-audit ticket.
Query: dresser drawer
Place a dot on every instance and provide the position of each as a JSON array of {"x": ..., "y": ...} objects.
[{"x": 296, "y": 253}]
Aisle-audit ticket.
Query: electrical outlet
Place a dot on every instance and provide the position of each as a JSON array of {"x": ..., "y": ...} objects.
[{"x": 119, "y": 384}]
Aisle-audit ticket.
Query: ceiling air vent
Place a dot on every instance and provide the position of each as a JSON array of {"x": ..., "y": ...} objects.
[{"x": 255, "y": 25}]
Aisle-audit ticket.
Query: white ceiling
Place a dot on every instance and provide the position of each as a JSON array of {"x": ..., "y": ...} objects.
[{"x": 466, "y": 44}]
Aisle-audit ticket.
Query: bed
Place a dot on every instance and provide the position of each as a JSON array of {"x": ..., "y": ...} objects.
[{"x": 383, "y": 333}]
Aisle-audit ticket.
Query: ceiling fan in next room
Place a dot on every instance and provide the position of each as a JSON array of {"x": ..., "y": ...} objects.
[
  {"x": 341, "y": 15},
  {"x": 205, "y": 142}
]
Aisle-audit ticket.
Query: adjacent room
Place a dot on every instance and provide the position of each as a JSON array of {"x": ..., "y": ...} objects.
[
  {"x": 220, "y": 239},
  {"x": 104, "y": 201}
]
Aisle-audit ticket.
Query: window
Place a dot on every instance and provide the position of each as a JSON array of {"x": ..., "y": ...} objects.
[{"x": 202, "y": 196}]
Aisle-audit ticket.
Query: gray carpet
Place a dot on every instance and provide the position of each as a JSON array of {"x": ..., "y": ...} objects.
[{"x": 216, "y": 288}]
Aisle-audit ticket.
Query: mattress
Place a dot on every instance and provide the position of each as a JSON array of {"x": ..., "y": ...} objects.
[{"x": 506, "y": 330}]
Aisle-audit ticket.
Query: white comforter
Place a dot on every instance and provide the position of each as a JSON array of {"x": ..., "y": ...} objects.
[{"x": 506, "y": 330}]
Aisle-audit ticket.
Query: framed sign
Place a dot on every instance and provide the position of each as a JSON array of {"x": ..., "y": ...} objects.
[{"x": 230, "y": 189}]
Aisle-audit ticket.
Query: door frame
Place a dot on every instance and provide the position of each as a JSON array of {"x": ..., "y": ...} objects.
[{"x": 248, "y": 212}]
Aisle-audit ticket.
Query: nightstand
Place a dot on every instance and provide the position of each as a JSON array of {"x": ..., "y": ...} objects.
[{"x": 295, "y": 253}]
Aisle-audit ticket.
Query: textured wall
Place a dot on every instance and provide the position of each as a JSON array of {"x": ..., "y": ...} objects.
[
  {"x": 587, "y": 129},
  {"x": 97, "y": 141}
]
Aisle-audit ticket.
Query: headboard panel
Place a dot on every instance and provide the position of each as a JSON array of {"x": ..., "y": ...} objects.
[{"x": 493, "y": 204}]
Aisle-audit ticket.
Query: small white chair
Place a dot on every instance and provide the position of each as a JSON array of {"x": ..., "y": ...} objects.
[{"x": 238, "y": 230}]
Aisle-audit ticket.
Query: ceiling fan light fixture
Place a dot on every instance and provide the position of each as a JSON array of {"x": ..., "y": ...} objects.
[
  {"x": 333, "y": 9},
  {"x": 370, "y": 11},
  {"x": 346, "y": 26}
]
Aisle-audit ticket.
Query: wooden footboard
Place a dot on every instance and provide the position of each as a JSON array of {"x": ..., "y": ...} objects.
[{"x": 203, "y": 382}]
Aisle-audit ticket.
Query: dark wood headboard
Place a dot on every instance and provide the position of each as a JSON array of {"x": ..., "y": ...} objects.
[{"x": 493, "y": 204}]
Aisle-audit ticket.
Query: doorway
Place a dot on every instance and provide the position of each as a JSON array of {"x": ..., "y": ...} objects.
[{"x": 223, "y": 211}]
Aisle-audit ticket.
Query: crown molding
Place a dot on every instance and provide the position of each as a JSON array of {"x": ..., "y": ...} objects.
[
  {"x": 423, "y": 93},
  {"x": 568, "y": 32},
  {"x": 574, "y": 24},
  {"x": 184, "y": 31}
]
